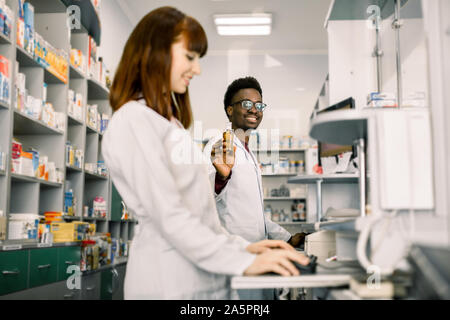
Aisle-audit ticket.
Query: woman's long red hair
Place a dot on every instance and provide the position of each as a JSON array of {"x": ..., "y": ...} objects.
[{"x": 144, "y": 69}]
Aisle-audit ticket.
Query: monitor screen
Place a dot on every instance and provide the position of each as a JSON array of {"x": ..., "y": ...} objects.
[{"x": 329, "y": 149}]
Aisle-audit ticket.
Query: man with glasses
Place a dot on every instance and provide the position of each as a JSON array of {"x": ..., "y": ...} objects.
[{"x": 237, "y": 176}]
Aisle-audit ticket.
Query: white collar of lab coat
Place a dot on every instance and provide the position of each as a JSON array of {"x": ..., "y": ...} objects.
[
  {"x": 173, "y": 120},
  {"x": 249, "y": 153}
]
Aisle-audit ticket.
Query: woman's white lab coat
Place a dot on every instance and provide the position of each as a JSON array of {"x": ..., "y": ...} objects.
[
  {"x": 180, "y": 250},
  {"x": 240, "y": 204}
]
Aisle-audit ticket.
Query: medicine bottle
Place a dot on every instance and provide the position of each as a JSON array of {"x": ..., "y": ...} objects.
[{"x": 228, "y": 138}]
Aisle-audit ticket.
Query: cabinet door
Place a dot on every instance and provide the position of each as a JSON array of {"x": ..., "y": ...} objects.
[
  {"x": 43, "y": 266},
  {"x": 116, "y": 204},
  {"x": 90, "y": 286},
  {"x": 13, "y": 271},
  {"x": 107, "y": 284},
  {"x": 118, "y": 288},
  {"x": 67, "y": 256},
  {"x": 64, "y": 293}
]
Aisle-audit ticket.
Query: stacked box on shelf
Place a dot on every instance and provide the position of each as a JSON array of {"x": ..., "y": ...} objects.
[
  {"x": 31, "y": 163},
  {"x": 6, "y": 18},
  {"x": 32, "y": 108},
  {"x": 37, "y": 108},
  {"x": 5, "y": 83},
  {"x": 78, "y": 60}
]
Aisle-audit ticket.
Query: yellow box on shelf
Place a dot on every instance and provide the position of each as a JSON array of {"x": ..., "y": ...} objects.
[{"x": 63, "y": 232}]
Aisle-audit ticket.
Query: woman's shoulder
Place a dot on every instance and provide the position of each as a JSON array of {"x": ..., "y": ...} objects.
[{"x": 136, "y": 112}]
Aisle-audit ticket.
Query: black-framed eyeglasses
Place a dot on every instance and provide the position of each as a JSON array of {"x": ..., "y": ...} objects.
[{"x": 247, "y": 105}]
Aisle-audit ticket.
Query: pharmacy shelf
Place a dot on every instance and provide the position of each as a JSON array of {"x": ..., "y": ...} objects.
[
  {"x": 283, "y": 198},
  {"x": 26, "y": 125},
  {"x": 74, "y": 121},
  {"x": 49, "y": 184},
  {"x": 330, "y": 178},
  {"x": 24, "y": 178},
  {"x": 357, "y": 10},
  {"x": 94, "y": 176},
  {"x": 14, "y": 245},
  {"x": 26, "y": 60},
  {"x": 94, "y": 219},
  {"x": 73, "y": 168},
  {"x": 29, "y": 194},
  {"x": 351, "y": 125},
  {"x": 278, "y": 174},
  {"x": 4, "y": 105},
  {"x": 91, "y": 129},
  {"x": 75, "y": 73},
  {"x": 89, "y": 17},
  {"x": 71, "y": 218},
  {"x": 280, "y": 150},
  {"x": 97, "y": 91},
  {"x": 4, "y": 39}
]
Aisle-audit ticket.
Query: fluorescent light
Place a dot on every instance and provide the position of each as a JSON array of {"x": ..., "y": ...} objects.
[
  {"x": 244, "y": 30},
  {"x": 243, "y": 19},
  {"x": 253, "y": 24}
]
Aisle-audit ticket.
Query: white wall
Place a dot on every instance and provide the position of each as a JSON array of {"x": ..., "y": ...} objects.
[
  {"x": 116, "y": 29},
  {"x": 280, "y": 75}
]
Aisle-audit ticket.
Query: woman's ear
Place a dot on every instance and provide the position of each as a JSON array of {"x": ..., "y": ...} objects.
[{"x": 229, "y": 111}]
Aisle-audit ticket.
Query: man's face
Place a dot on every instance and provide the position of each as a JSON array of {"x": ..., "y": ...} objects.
[{"x": 240, "y": 117}]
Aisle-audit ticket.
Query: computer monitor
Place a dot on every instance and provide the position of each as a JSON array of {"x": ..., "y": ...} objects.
[{"x": 329, "y": 149}]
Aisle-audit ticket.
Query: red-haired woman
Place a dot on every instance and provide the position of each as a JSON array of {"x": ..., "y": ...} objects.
[{"x": 180, "y": 250}]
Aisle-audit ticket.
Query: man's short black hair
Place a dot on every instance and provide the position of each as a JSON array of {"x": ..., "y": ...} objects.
[{"x": 238, "y": 84}]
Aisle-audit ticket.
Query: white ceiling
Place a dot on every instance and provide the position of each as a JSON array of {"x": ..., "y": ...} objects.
[{"x": 297, "y": 24}]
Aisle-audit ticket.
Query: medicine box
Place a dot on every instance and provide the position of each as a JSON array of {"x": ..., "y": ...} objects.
[
  {"x": 2, "y": 228},
  {"x": 63, "y": 232}
]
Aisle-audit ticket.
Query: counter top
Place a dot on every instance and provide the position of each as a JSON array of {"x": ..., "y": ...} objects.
[
  {"x": 328, "y": 276},
  {"x": 11, "y": 246},
  {"x": 118, "y": 261}
]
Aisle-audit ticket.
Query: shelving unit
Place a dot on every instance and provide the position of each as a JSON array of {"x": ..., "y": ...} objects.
[
  {"x": 23, "y": 194},
  {"x": 275, "y": 180}
]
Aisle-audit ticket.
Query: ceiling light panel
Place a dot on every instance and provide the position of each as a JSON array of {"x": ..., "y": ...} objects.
[
  {"x": 243, "y": 30},
  {"x": 253, "y": 24},
  {"x": 243, "y": 19}
]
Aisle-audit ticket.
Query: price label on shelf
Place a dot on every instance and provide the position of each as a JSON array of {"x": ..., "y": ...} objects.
[
  {"x": 45, "y": 245},
  {"x": 12, "y": 247}
]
